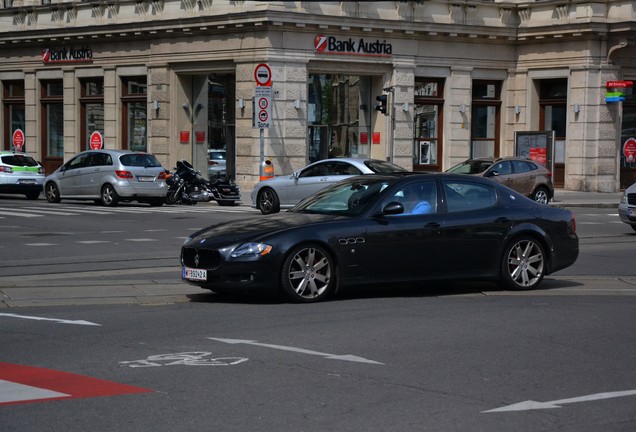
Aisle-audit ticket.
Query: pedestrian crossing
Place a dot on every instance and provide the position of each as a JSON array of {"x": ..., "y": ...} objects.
[{"x": 44, "y": 210}]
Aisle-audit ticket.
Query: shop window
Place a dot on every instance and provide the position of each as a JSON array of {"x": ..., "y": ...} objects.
[
  {"x": 52, "y": 102},
  {"x": 486, "y": 97},
  {"x": 427, "y": 132},
  {"x": 13, "y": 101},
  {"x": 134, "y": 113},
  {"x": 338, "y": 116},
  {"x": 91, "y": 109}
]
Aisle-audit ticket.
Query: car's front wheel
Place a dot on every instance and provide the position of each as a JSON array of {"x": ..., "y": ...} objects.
[
  {"x": 109, "y": 195},
  {"x": 309, "y": 274},
  {"x": 268, "y": 201},
  {"x": 524, "y": 264},
  {"x": 52, "y": 193},
  {"x": 541, "y": 195}
]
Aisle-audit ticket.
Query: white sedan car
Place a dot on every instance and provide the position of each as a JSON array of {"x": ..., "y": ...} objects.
[
  {"x": 270, "y": 195},
  {"x": 627, "y": 206}
]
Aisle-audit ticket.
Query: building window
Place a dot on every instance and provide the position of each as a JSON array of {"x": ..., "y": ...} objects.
[
  {"x": 13, "y": 99},
  {"x": 92, "y": 109},
  {"x": 52, "y": 101},
  {"x": 553, "y": 95},
  {"x": 427, "y": 131},
  {"x": 485, "y": 118},
  {"x": 134, "y": 114},
  {"x": 338, "y": 115}
]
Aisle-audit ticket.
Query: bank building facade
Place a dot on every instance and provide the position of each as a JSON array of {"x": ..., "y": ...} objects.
[{"x": 424, "y": 84}]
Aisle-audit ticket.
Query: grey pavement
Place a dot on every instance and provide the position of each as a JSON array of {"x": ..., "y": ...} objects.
[{"x": 148, "y": 286}]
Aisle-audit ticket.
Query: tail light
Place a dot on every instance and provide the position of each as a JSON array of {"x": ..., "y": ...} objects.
[
  {"x": 164, "y": 175},
  {"x": 212, "y": 162},
  {"x": 124, "y": 174},
  {"x": 6, "y": 169},
  {"x": 549, "y": 174},
  {"x": 41, "y": 170},
  {"x": 573, "y": 221}
]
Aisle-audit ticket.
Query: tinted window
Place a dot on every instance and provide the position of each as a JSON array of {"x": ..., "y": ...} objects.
[
  {"x": 417, "y": 198},
  {"x": 19, "y": 160},
  {"x": 382, "y": 167},
  {"x": 100, "y": 159},
  {"x": 467, "y": 196},
  {"x": 217, "y": 155},
  {"x": 503, "y": 168},
  {"x": 521, "y": 167},
  {"x": 139, "y": 160},
  {"x": 322, "y": 169},
  {"x": 346, "y": 169},
  {"x": 79, "y": 161}
]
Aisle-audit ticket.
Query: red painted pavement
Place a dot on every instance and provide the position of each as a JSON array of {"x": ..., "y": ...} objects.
[{"x": 76, "y": 386}]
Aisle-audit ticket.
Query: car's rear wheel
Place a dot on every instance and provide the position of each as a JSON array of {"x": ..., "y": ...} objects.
[
  {"x": 524, "y": 264},
  {"x": 268, "y": 201},
  {"x": 541, "y": 195},
  {"x": 52, "y": 193},
  {"x": 109, "y": 196},
  {"x": 309, "y": 274},
  {"x": 33, "y": 195}
]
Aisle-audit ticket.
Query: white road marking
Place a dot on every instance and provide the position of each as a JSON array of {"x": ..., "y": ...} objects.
[
  {"x": 346, "y": 357},
  {"x": 15, "y": 392},
  {"x": 41, "y": 244},
  {"x": 141, "y": 240},
  {"x": 57, "y": 320},
  {"x": 14, "y": 213},
  {"x": 533, "y": 405},
  {"x": 92, "y": 241}
]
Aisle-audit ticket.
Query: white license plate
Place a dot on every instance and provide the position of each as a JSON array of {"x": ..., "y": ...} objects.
[
  {"x": 630, "y": 213},
  {"x": 26, "y": 181},
  {"x": 194, "y": 274},
  {"x": 145, "y": 178}
]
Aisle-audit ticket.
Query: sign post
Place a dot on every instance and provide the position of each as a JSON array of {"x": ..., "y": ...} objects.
[{"x": 263, "y": 107}]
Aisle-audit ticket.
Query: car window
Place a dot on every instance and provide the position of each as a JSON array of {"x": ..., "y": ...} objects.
[
  {"x": 383, "y": 167},
  {"x": 417, "y": 198},
  {"x": 99, "y": 159},
  {"x": 139, "y": 160},
  {"x": 503, "y": 168},
  {"x": 321, "y": 169},
  {"x": 467, "y": 196},
  {"x": 80, "y": 161},
  {"x": 343, "y": 168},
  {"x": 19, "y": 160},
  {"x": 520, "y": 167}
]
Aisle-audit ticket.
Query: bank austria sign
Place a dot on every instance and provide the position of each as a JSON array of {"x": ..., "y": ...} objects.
[
  {"x": 324, "y": 44},
  {"x": 67, "y": 55}
]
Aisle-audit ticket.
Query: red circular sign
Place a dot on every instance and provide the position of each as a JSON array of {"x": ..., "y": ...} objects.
[
  {"x": 18, "y": 140},
  {"x": 263, "y": 75},
  {"x": 629, "y": 150},
  {"x": 96, "y": 141}
]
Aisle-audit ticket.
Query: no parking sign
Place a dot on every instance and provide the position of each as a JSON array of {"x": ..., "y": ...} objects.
[{"x": 18, "y": 140}]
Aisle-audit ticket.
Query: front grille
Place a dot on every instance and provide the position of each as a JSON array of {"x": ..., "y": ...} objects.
[
  {"x": 207, "y": 259},
  {"x": 631, "y": 199}
]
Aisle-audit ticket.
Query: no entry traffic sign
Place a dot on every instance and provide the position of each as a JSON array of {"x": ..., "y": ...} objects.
[{"x": 96, "y": 141}]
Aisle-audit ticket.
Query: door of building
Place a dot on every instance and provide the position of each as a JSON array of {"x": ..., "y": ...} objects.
[{"x": 553, "y": 116}]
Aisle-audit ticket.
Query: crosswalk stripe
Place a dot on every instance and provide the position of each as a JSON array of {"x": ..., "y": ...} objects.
[{"x": 15, "y": 213}]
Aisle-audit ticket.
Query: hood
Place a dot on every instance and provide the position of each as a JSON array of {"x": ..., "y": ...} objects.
[{"x": 257, "y": 228}]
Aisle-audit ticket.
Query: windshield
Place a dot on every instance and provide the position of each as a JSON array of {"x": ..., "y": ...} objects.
[
  {"x": 382, "y": 167},
  {"x": 471, "y": 167},
  {"x": 349, "y": 197}
]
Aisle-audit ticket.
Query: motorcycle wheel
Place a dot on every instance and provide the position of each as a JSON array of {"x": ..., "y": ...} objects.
[{"x": 171, "y": 197}]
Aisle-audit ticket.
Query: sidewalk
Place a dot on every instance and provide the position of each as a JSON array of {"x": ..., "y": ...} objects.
[{"x": 566, "y": 198}]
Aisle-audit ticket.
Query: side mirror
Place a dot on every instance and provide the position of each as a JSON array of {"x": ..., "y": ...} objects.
[
  {"x": 295, "y": 175},
  {"x": 392, "y": 208}
]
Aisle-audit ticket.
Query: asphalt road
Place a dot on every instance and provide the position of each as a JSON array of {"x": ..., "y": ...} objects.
[{"x": 450, "y": 357}]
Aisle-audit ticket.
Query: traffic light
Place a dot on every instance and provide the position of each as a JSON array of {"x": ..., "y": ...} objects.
[{"x": 383, "y": 104}]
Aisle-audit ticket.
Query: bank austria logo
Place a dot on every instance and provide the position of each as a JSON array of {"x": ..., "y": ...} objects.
[
  {"x": 67, "y": 55},
  {"x": 324, "y": 44}
]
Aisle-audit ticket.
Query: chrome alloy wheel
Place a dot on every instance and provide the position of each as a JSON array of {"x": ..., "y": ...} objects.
[
  {"x": 525, "y": 264},
  {"x": 309, "y": 273}
]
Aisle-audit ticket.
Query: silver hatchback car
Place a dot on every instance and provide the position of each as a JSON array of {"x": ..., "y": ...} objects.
[{"x": 108, "y": 177}]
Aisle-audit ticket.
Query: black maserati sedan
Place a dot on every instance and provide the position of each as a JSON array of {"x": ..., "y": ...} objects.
[{"x": 383, "y": 229}]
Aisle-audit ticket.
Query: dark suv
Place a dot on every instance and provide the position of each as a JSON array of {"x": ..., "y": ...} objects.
[{"x": 523, "y": 175}]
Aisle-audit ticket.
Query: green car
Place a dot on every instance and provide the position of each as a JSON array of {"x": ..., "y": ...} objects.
[{"x": 20, "y": 174}]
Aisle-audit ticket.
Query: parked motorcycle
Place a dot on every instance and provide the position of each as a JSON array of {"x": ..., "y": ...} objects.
[{"x": 188, "y": 186}]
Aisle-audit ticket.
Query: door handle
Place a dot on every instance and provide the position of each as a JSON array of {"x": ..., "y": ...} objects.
[
  {"x": 432, "y": 225},
  {"x": 502, "y": 220}
]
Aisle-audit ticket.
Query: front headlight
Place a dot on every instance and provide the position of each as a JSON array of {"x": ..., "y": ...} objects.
[
  {"x": 251, "y": 250},
  {"x": 624, "y": 197}
]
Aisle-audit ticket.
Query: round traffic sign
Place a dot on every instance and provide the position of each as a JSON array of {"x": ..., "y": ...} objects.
[
  {"x": 262, "y": 116},
  {"x": 263, "y": 103},
  {"x": 263, "y": 75},
  {"x": 96, "y": 141},
  {"x": 18, "y": 140}
]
